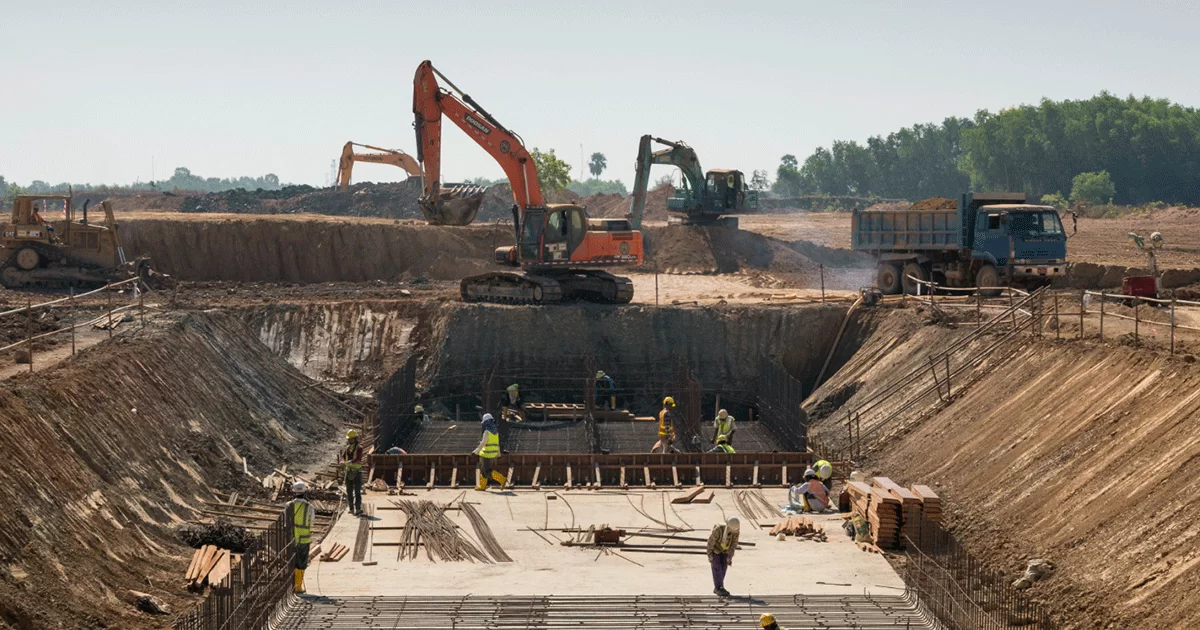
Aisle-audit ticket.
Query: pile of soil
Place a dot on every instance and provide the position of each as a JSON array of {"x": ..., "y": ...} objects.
[
  {"x": 934, "y": 203},
  {"x": 612, "y": 206}
]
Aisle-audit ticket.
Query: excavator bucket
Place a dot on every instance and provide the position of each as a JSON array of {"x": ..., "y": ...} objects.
[{"x": 453, "y": 205}]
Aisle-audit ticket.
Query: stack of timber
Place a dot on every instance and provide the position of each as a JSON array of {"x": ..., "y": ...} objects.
[
  {"x": 931, "y": 503},
  {"x": 210, "y": 565},
  {"x": 880, "y": 509},
  {"x": 910, "y": 506},
  {"x": 335, "y": 553},
  {"x": 801, "y": 527}
]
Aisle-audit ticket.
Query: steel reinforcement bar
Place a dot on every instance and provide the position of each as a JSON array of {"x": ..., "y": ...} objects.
[{"x": 618, "y": 470}]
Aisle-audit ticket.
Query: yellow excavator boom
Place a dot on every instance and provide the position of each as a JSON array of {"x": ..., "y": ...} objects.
[{"x": 383, "y": 156}]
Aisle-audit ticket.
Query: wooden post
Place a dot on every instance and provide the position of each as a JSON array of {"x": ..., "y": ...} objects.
[
  {"x": 142, "y": 306},
  {"x": 1057, "y": 322},
  {"x": 70, "y": 299},
  {"x": 1082, "y": 296},
  {"x": 1103, "y": 295},
  {"x": 822, "y": 267},
  {"x": 108, "y": 292},
  {"x": 29, "y": 332},
  {"x": 1172, "y": 325},
  {"x": 1136, "y": 303}
]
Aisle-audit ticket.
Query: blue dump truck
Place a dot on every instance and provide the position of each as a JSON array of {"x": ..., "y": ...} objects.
[{"x": 986, "y": 240}]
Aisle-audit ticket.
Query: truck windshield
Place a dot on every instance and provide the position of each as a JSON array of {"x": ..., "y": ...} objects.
[{"x": 1035, "y": 223}]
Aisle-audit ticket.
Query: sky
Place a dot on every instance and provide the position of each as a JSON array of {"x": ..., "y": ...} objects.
[{"x": 117, "y": 92}]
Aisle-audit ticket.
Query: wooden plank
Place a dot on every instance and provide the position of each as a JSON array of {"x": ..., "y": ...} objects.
[
  {"x": 624, "y": 486},
  {"x": 508, "y": 479},
  {"x": 360, "y": 540},
  {"x": 689, "y": 497},
  {"x": 754, "y": 482},
  {"x": 925, "y": 493},
  {"x": 783, "y": 479},
  {"x": 400, "y": 477},
  {"x": 568, "y": 486},
  {"x": 646, "y": 472},
  {"x": 194, "y": 565},
  {"x": 341, "y": 553},
  {"x": 699, "y": 481},
  {"x": 706, "y": 498},
  {"x": 202, "y": 576},
  {"x": 314, "y": 553},
  {"x": 222, "y": 570},
  {"x": 597, "y": 468},
  {"x": 432, "y": 476},
  {"x": 728, "y": 476},
  {"x": 675, "y": 476},
  {"x": 537, "y": 472},
  {"x": 454, "y": 477}
]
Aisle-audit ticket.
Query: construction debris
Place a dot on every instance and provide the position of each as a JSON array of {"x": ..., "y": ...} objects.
[
  {"x": 222, "y": 533},
  {"x": 801, "y": 527},
  {"x": 210, "y": 564},
  {"x": 146, "y": 602},
  {"x": 335, "y": 553}
]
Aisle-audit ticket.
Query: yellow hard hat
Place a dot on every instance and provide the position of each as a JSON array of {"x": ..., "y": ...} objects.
[
  {"x": 351, "y": 434},
  {"x": 766, "y": 620},
  {"x": 668, "y": 402},
  {"x": 722, "y": 439},
  {"x": 600, "y": 374}
]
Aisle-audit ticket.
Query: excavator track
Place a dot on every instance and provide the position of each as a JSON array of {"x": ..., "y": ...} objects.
[{"x": 511, "y": 288}]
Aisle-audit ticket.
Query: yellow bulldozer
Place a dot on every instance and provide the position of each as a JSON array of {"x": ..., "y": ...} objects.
[{"x": 47, "y": 243}]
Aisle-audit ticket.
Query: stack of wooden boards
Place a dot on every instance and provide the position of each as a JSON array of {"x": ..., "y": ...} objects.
[
  {"x": 210, "y": 565},
  {"x": 335, "y": 553},
  {"x": 800, "y": 526},
  {"x": 695, "y": 496},
  {"x": 893, "y": 511}
]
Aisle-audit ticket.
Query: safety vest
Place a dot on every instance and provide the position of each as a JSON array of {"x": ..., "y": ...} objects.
[
  {"x": 823, "y": 469},
  {"x": 352, "y": 456},
  {"x": 726, "y": 427},
  {"x": 726, "y": 448},
  {"x": 491, "y": 447},
  {"x": 818, "y": 491},
  {"x": 725, "y": 541},
  {"x": 301, "y": 521},
  {"x": 666, "y": 424}
]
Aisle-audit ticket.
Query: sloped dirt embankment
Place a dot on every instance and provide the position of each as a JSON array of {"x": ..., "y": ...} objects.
[{"x": 105, "y": 453}]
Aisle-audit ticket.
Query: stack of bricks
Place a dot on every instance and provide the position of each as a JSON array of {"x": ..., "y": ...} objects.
[{"x": 931, "y": 503}]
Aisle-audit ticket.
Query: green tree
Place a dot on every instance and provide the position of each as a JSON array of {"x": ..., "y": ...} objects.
[
  {"x": 553, "y": 173},
  {"x": 597, "y": 164},
  {"x": 1093, "y": 188},
  {"x": 1056, "y": 200},
  {"x": 788, "y": 181}
]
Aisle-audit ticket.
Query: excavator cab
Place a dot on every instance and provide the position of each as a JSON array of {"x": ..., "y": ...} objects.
[{"x": 726, "y": 191}]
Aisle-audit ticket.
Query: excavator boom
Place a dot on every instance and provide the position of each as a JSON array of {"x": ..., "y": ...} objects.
[
  {"x": 383, "y": 156},
  {"x": 705, "y": 197},
  {"x": 676, "y": 154},
  {"x": 430, "y": 103}
]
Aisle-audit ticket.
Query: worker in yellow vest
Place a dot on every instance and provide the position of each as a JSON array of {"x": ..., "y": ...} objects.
[
  {"x": 722, "y": 446},
  {"x": 488, "y": 450},
  {"x": 722, "y": 542},
  {"x": 666, "y": 428},
  {"x": 299, "y": 516},
  {"x": 824, "y": 472},
  {"x": 723, "y": 425},
  {"x": 351, "y": 459}
]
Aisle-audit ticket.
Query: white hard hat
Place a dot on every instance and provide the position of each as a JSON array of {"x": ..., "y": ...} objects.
[
  {"x": 299, "y": 487},
  {"x": 733, "y": 524},
  {"x": 722, "y": 414},
  {"x": 487, "y": 417}
]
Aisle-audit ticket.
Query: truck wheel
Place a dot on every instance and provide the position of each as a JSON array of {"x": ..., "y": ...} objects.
[
  {"x": 888, "y": 279},
  {"x": 987, "y": 276},
  {"x": 915, "y": 270}
]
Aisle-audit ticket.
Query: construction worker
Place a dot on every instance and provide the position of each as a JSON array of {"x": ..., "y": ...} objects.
[
  {"x": 488, "y": 450},
  {"x": 722, "y": 446},
  {"x": 824, "y": 472},
  {"x": 423, "y": 417},
  {"x": 666, "y": 428},
  {"x": 723, "y": 425},
  {"x": 810, "y": 496},
  {"x": 510, "y": 409},
  {"x": 299, "y": 515},
  {"x": 722, "y": 542},
  {"x": 606, "y": 396},
  {"x": 768, "y": 622},
  {"x": 352, "y": 464}
]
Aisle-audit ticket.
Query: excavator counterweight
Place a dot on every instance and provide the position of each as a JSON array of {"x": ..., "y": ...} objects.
[{"x": 560, "y": 252}]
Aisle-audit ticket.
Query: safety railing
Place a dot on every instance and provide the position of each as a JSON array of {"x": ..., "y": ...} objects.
[
  {"x": 959, "y": 590},
  {"x": 256, "y": 590}
]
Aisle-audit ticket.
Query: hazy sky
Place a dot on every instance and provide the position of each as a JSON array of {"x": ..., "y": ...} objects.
[{"x": 104, "y": 92}]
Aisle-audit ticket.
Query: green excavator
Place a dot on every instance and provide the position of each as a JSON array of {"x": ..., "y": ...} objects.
[{"x": 704, "y": 198}]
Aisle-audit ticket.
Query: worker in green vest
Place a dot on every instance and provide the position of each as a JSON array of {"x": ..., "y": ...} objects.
[
  {"x": 723, "y": 425},
  {"x": 488, "y": 450},
  {"x": 299, "y": 516},
  {"x": 722, "y": 446}
]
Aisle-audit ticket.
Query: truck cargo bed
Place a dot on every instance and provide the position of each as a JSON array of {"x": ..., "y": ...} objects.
[{"x": 884, "y": 230}]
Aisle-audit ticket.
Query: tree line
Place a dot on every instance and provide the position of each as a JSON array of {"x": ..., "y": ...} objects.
[
  {"x": 183, "y": 180},
  {"x": 1148, "y": 148}
]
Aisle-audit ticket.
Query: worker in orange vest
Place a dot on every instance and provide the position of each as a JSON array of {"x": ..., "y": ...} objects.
[{"x": 666, "y": 428}]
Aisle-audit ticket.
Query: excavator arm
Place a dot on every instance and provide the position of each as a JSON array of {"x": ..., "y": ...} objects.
[
  {"x": 384, "y": 156},
  {"x": 676, "y": 154},
  {"x": 430, "y": 103}
]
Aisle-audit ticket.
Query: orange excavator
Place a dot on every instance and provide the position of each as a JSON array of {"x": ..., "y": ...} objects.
[
  {"x": 560, "y": 251},
  {"x": 382, "y": 156}
]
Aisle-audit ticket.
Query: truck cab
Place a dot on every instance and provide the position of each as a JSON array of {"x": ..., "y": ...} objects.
[{"x": 1026, "y": 242}]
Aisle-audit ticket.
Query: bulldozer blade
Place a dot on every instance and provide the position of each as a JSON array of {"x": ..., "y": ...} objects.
[{"x": 451, "y": 208}]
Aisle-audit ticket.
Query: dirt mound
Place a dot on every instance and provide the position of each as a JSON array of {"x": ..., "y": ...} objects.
[
  {"x": 606, "y": 206},
  {"x": 934, "y": 203},
  {"x": 309, "y": 249},
  {"x": 106, "y": 453}
]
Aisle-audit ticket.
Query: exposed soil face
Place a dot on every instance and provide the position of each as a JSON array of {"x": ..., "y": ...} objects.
[{"x": 107, "y": 452}]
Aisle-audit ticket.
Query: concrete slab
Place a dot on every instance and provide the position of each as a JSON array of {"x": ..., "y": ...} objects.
[{"x": 771, "y": 567}]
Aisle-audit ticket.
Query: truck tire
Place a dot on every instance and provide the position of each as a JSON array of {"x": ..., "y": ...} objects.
[
  {"x": 915, "y": 270},
  {"x": 987, "y": 276},
  {"x": 888, "y": 279}
]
